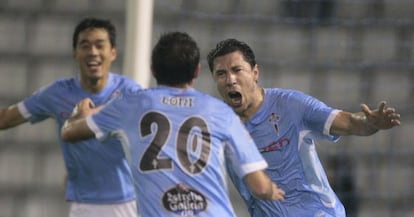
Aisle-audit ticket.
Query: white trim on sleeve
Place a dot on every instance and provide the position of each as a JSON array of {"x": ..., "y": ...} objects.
[
  {"x": 329, "y": 121},
  {"x": 94, "y": 127},
  {"x": 23, "y": 110},
  {"x": 252, "y": 167}
]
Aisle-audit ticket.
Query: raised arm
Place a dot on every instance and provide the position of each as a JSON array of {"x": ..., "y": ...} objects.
[
  {"x": 10, "y": 117},
  {"x": 262, "y": 187},
  {"x": 75, "y": 128},
  {"x": 366, "y": 122}
]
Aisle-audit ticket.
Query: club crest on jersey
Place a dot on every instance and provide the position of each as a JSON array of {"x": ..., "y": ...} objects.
[
  {"x": 116, "y": 94},
  {"x": 274, "y": 119},
  {"x": 184, "y": 201}
]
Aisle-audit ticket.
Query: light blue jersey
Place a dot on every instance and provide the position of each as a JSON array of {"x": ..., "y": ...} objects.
[
  {"x": 97, "y": 172},
  {"x": 284, "y": 129},
  {"x": 178, "y": 141}
]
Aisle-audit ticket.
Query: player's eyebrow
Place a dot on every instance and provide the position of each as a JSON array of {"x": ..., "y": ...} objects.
[{"x": 85, "y": 41}]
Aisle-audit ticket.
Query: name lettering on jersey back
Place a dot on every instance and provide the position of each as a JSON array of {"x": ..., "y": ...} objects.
[{"x": 178, "y": 101}]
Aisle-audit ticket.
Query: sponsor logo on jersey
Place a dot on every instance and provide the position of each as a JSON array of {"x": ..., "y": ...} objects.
[
  {"x": 184, "y": 201},
  {"x": 275, "y": 145}
]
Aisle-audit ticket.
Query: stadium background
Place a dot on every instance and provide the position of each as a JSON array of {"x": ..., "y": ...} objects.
[{"x": 343, "y": 52}]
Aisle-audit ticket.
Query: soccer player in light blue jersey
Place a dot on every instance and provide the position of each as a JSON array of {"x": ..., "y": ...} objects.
[
  {"x": 177, "y": 138},
  {"x": 99, "y": 180},
  {"x": 284, "y": 125}
]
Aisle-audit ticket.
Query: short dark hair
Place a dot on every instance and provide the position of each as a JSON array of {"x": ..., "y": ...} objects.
[
  {"x": 91, "y": 22},
  {"x": 175, "y": 58},
  {"x": 228, "y": 46}
]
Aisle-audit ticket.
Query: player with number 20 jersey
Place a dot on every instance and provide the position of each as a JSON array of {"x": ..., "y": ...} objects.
[{"x": 162, "y": 161}]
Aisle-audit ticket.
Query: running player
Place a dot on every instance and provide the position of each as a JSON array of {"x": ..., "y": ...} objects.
[
  {"x": 284, "y": 124},
  {"x": 99, "y": 182}
]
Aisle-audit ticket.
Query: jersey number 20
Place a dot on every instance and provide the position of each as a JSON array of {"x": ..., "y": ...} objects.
[{"x": 151, "y": 159}]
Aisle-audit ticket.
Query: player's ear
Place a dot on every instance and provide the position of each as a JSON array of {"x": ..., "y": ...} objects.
[
  {"x": 152, "y": 71},
  {"x": 114, "y": 53},
  {"x": 197, "y": 70},
  {"x": 256, "y": 72}
]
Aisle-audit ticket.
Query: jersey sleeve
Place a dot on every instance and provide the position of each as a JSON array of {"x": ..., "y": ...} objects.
[
  {"x": 238, "y": 182},
  {"x": 37, "y": 107},
  {"x": 132, "y": 85},
  {"x": 108, "y": 120},
  {"x": 241, "y": 150},
  {"x": 318, "y": 117}
]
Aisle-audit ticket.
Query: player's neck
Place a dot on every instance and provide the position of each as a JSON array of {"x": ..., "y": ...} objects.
[
  {"x": 94, "y": 85},
  {"x": 188, "y": 85},
  {"x": 254, "y": 106}
]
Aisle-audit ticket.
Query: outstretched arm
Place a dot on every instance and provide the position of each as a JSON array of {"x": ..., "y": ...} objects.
[
  {"x": 75, "y": 128},
  {"x": 366, "y": 122},
  {"x": 262, "y": 187}
]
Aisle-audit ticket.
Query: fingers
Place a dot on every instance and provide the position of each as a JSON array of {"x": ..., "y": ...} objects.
[
  {"x": 389, "y": 110},
  {"x": 366, "y": 109},
  {"x": 381, "y": 107},
  {"x": 383, "y": 118},
  {"x": 87, "y": 102},
  {"x": 278, "y": 193},
  {"x": 91, "y": 104},
  {"x": 390, "y": 113},
  {"x": 396, "y": 122},
  {"x": 83, "y": 107},
  {"x": 394, "y": 117}
]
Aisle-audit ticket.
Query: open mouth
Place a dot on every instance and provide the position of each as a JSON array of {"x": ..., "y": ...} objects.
[
  {"x": 93, "y": 65},
  {"x": 235, "y": 98}
]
